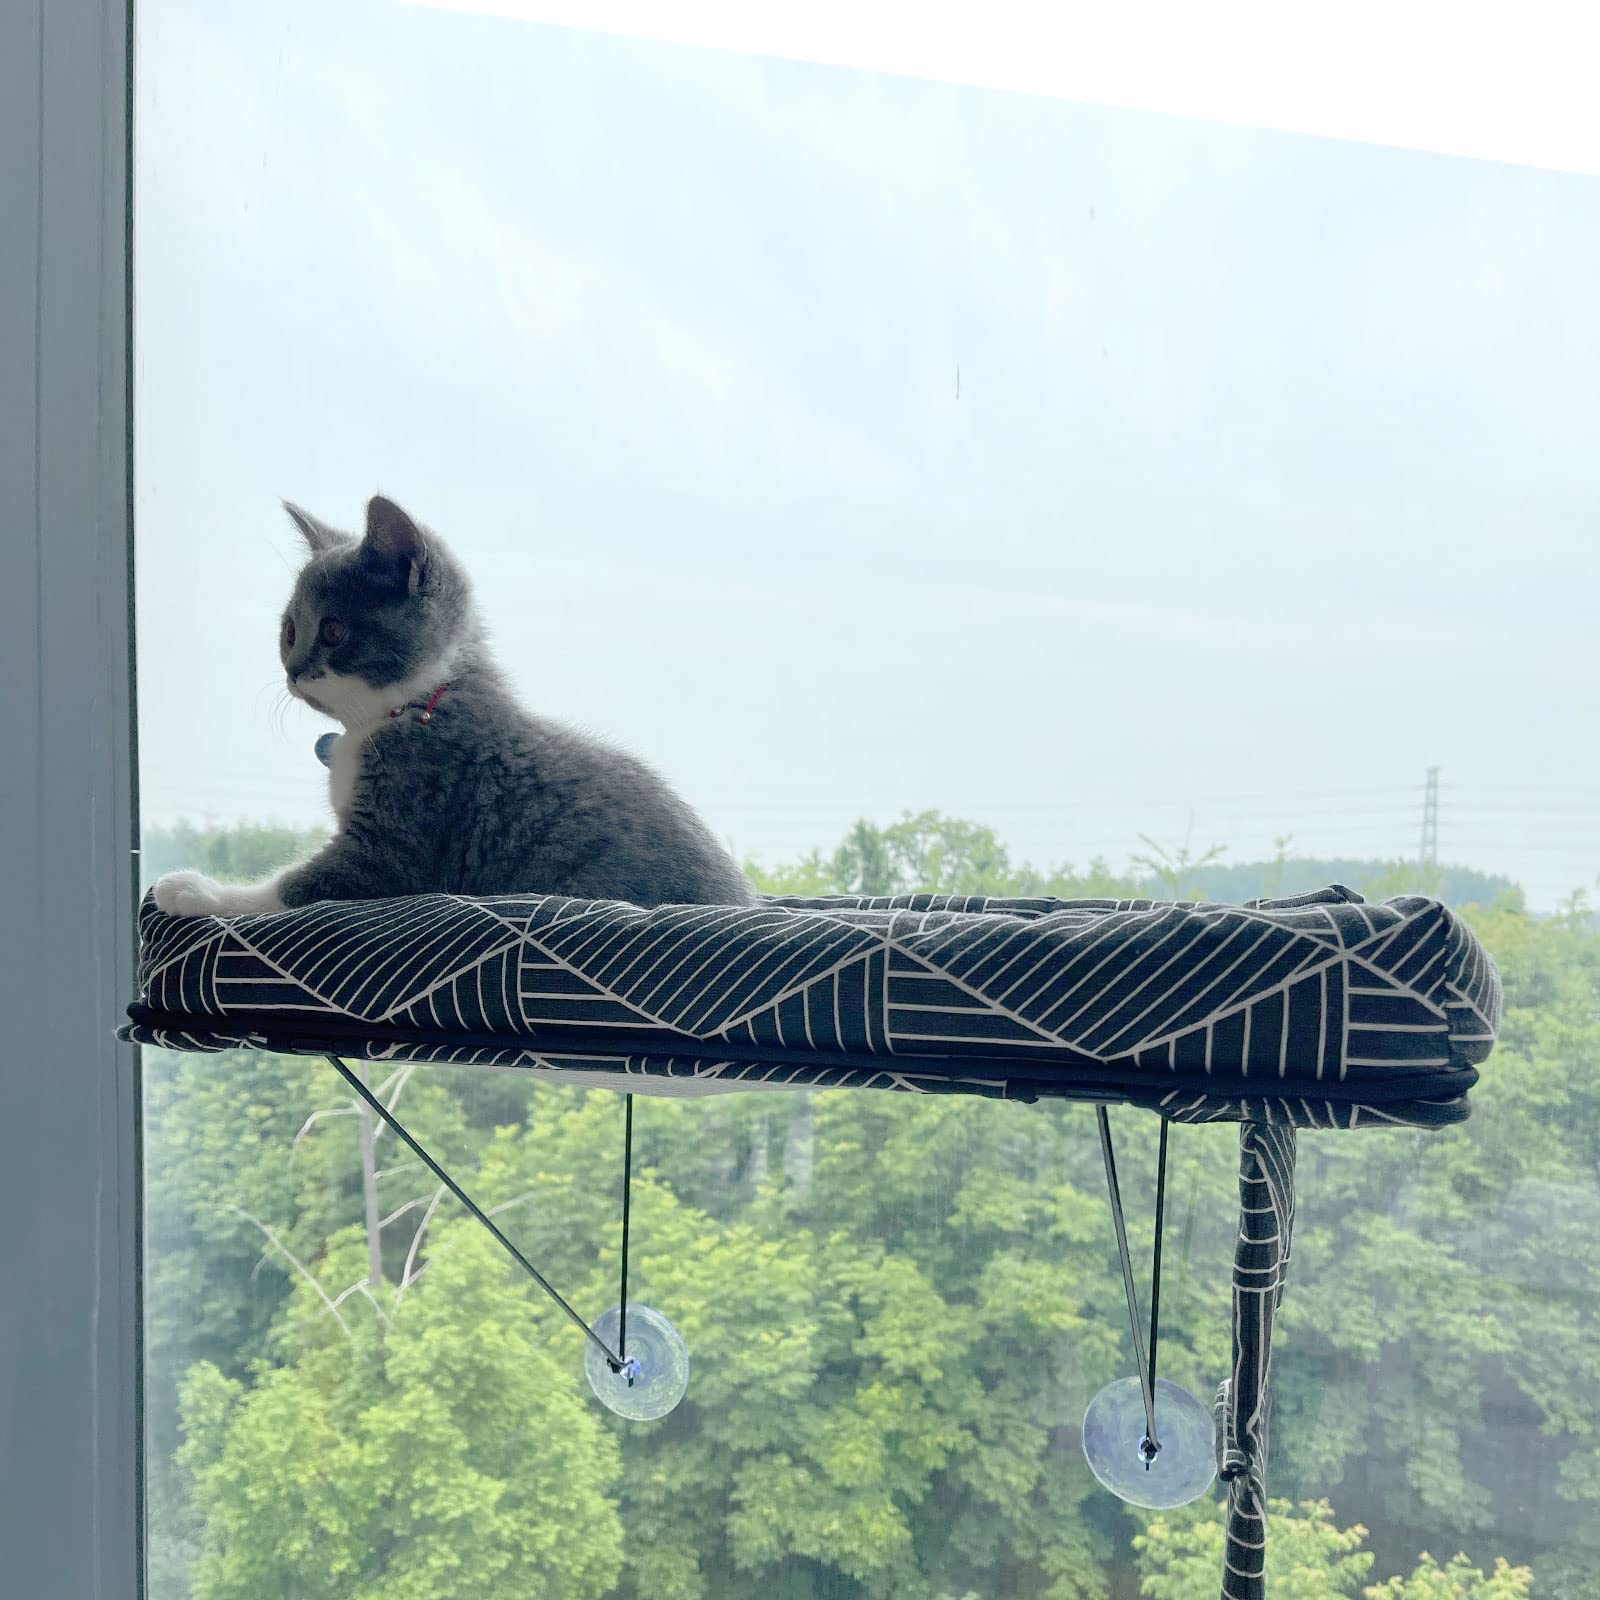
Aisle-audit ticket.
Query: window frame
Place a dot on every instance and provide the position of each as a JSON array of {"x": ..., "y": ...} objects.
[{"x": 70, "y": 1420}]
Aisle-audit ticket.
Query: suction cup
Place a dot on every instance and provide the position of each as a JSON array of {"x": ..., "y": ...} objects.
[
  {"x": 1118, "y": 1453},
  {"x": 656, "y": 1374}
]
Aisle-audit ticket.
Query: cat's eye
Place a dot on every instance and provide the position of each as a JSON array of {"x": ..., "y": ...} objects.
[
  {"x": 288, "y": 633},
  {"x": 332, "y": 632}
]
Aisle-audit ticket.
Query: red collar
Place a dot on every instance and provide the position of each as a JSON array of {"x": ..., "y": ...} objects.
[{"x": 426, "y": 706}]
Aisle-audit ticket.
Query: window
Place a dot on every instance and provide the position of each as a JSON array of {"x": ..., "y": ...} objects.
[{"x": 1094, "y": 502}]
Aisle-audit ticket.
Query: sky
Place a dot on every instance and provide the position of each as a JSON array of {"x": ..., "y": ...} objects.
[{"x": 846, "y": 443}]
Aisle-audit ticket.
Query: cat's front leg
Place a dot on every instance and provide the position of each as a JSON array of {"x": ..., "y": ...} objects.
[
  {"x": 342, "y": 869},
  {"x": 193, "y": 894}
]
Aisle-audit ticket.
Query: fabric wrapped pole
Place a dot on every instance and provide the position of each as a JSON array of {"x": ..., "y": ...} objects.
[{"x": 1260, "y": 1261}]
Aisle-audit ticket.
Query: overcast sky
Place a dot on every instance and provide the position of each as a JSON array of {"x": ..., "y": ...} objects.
[{"x": 1271, "y": 478}]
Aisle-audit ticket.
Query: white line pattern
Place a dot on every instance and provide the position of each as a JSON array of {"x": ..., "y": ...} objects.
[{"x": 1025, "y": 997}]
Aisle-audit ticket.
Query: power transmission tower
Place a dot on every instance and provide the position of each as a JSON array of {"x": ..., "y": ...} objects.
[{"x": 1429, "y": 853}]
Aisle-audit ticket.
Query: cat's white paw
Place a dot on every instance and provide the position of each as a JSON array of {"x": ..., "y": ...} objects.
[{"x": 188, "y": 894}]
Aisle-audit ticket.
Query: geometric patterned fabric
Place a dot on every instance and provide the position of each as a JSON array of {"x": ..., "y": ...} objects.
[{"x": 1320, "y": 1011}]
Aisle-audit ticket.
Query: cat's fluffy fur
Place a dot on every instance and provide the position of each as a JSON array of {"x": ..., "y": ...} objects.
[{"x": 484, "y": 798}]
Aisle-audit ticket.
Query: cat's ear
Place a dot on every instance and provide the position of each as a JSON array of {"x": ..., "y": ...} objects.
[
  {"x": 316, "y": 533},
  {"x": 394, "y": 544}
]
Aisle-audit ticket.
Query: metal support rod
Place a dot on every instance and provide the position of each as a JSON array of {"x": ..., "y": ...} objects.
[
  {"x": 614, "y": 1360},
  {"x": 627, "y": 1201},
  {"x": 1147, "y": 1376},
  {"x": 1155, "y": 1265}
]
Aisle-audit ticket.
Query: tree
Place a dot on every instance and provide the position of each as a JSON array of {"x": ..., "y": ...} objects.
[
  {"x": 1174, "y": 870},
  {"x": 929, "y": 852},
  {"x": 1458, "y": 1579},
  {"x": 897, "y": 1307},
  {"x": 1308, "y": 1558},
  {"x": 442, "y": 1453},
  {"x": 241, "y": 854},
  {"x": 252, "y": 1165}
]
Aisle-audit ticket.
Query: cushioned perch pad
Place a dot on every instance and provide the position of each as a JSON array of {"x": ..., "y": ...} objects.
[{"x": 1322, "y": 1010}]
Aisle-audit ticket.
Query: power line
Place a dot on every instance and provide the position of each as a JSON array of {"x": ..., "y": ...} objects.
[{"x": 1429, "y": 852}]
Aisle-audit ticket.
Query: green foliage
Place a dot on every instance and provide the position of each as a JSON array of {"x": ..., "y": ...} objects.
[
  {"x": 445, "y": 1454},
  {"x": 1308, "y": 1558},
  {"x": 240, "y": 854},
  {"x": 810, "y": 877},
  {"x": 1458, "y": 1579},
  {"x": 1231, "y": 883},
  {"x": 948, "y": 855},
  {"x": 897, "y": 1308},
  {"x": 1174, "y": 871},
  {"x": 928, "y": 852},
  {"x": 1180, "y": 1553}
]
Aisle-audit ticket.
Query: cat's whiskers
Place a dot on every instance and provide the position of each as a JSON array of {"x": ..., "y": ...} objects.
[
  {"x": 277, "y": 710},
  {"x": 280, "y": 708}
]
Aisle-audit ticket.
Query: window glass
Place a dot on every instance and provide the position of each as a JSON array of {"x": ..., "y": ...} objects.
[{"x": 945, "y": 489}]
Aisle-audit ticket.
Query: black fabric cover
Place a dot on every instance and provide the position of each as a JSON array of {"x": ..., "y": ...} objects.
[{"x": 1320, "y": 1010}]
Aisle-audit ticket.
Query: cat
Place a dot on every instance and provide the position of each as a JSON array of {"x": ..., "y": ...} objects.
[{"x": 441, "y": 781}]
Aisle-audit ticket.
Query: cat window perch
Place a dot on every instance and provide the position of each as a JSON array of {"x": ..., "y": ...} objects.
[{"x": 1317, "y": 1012}]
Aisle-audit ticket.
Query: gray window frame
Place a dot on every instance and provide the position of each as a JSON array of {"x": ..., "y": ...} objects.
[{"x": 70, "y": 1425}]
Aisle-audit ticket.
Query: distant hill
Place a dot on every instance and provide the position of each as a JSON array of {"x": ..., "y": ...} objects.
[
  {"x": 1238, "y": 881},
  {"x": 246, "y": 851}
]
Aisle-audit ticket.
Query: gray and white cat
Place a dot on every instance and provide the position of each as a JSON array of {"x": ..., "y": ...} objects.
[{"x": 440, "y": 780}]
